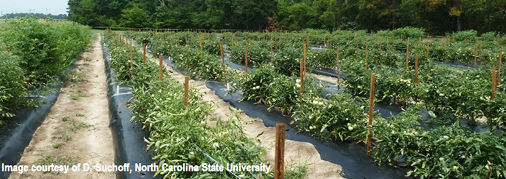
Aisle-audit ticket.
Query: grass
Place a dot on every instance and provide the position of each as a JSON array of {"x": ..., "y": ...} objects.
[
  {"x": 74, "y": 97},
  {"x": 81, "y": 94},
  {"x": 65, "y": 137},
  {"x": 65, "y": 119},
  {"x": 78, "y": 126},
  {"x": 292, "y": 171},
  {"x": 76, "y": 76},
  {"x": 56, "y": 146},
  {"x": 80, "y": 115}
]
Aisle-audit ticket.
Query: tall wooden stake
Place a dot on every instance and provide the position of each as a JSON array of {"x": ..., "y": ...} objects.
[
  {"x": 143, "y": 54},
  {"x": 186, "y": 86},
  {"x": 279, "y": 156},
  {"x": 371, "y": 113}
]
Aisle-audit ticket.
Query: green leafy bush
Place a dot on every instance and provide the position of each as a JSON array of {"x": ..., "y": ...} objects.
[
  {"x": 411, "y": 32},
  {"x": 489, "y": 36},
  {"x": 45, "y": 48},
  {"x": 321, "y": 58},
  {"x": 465, "y": 35},
  {"x": 339, "y": 118},
  {"x": 287, "y": 61},
  {"x": 257, "y": 53},
  {"x": 12, "y": 85}
]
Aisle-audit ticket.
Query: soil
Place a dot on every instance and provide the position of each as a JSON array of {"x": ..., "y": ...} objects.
[
  {"x": 77, "y": 128},
  {"x": 296, "y": 153},
  {"x": 327, "y": 78}
]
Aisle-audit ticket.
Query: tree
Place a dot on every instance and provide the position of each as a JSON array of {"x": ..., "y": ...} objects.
[{"x": 135, "y": 17}]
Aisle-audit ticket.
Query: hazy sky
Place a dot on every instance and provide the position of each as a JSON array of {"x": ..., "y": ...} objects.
[{"x": 36, "y": 6}]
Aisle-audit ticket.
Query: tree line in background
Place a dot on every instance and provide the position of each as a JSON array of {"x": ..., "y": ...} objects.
[
  {"x": 36, "y": 15},
  {"x": 435, "y": 16}
]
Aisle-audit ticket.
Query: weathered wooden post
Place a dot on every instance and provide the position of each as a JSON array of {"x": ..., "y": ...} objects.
[
  {"x": 371, "y": 114},
  {"x": 186, "y": 88},
  {"x": 279, "y": 156}
]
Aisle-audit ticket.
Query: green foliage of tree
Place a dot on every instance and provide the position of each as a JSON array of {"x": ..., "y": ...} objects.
[
  {"x": 435, "y": 16},
  {"x": 135, "y": 17}
]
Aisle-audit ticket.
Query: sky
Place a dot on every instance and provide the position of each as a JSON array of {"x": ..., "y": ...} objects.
[{"x": 36, "y": 6}]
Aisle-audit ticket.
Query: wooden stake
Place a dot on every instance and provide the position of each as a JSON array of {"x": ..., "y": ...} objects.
[
  {"x": 416, "y": 69},
  {"x": 144, "y": 54},
  {"x": 338, "y": 80},
  {"x": 186, "y": 86},
  {"x": 246, "y": 59},
  {"x": 475, "y": 56},
  {"x": 407, "y": 56},
  {"x": 279, "y": 156},
  {"x": 371, "y": 113},
  {"x": 160, "y": 70},
  {"x": 493, "y": 82},
  {"x": 232, "y": 40},
  {"x": 8, "y": 48},
  {"x": 200, "y": 42}
]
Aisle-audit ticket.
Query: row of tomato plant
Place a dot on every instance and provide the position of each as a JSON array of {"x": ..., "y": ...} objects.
[
  {"x": 39, "y": 52},
  {"x": 180, "y": 134},
  {"x": 403, "y": 142}
]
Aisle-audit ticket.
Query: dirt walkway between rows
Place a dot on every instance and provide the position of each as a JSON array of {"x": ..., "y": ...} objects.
[
  {"x": 77, "y": 128},
  {"x": 296, "y": 153}
]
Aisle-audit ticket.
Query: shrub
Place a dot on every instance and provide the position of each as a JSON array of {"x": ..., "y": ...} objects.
[
  {"x": 463, "y": 35},
  {"x": 411, "y": 32},
  {"x": 287, "y": 61},
  {"x": 257, "y": 53},
  {"x": 12, "y": 90}
]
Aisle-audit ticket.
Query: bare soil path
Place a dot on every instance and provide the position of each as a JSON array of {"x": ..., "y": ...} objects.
[{"x": 77, "y": 128}]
